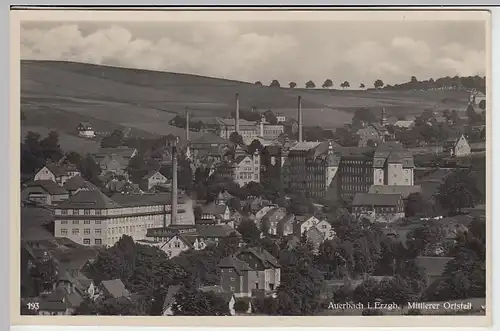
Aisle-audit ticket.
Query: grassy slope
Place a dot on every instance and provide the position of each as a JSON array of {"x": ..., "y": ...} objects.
[{"x": 58, "y": 95}]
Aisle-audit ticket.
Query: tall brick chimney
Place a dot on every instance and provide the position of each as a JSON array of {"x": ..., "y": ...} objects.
[
  {"x": 237, "y": 117},
  {"x": 173, "y": 210},
  {"x": 187, "y": 125},
  {"x": 299, "y": 115}
]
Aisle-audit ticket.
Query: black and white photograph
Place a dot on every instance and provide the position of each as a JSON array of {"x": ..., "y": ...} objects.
[{"x": 250, "y": 166}]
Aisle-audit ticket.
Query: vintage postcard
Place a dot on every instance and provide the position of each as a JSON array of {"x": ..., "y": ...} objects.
[{"x": 283, "y": 167}]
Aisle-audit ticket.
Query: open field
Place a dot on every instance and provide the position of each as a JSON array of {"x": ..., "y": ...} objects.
[{"x": 59, "y": 95}]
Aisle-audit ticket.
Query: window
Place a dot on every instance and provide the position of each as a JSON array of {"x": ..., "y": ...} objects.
[
  {"x": 98, "y": 212},
  {"x": 86, "y": 212},
  {"x": 98, "y": 241},
  {"x": 64, "y": 232},
  {"x": 64, "y": 222},
  {"x": 64, "y": 212},
  {"x": 177, "y": 244},
  {"x": 86, "y": 222},
  {"x": 232, "y": 279},
  {"x": 75, "y": 231},
  {"x": 98, "y": 231},
  {"x": 86, "y": 241},
  {"x": 86, "y": 231},
  {"x": 98, "y": 222},
  {"x": 76, "y": 222}
]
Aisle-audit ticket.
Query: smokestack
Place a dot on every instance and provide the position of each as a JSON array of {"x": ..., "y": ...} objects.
[
  {"x": 173, "y": 210},
  {"x": 187, "y": 125},
  {"x": 261, "y": 127},
  {"x": 237, "y": 119},
  {"x": 300, "y": 117}
]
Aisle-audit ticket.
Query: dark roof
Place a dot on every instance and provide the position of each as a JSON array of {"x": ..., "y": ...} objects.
[
  {"x": 263, "y": 255},
  {"x": 134, "y": 200},
  {"x": 240, "y": 158},
  {"x": 213, "y": 209},
  {"x": 151, "y": 174},
  {"x": 77, "y": 182},
  {"x": 115, "y": 288},
  {"x": 49, "y": 186},
  {"x": 433, "y": 266},
  {"x": 215, "y": 231},
  {"x": 370, "y": 199},
  {"x": 234, "y": 262},
  {"x": 55, "y": 169},
  {"x": 404, "y": 190},
  {"x": 89, "y": 200},
  {"x": 85, "y": 124},
  {"x": 170, "y": 296},
  {"x": 286, "y": 219}
]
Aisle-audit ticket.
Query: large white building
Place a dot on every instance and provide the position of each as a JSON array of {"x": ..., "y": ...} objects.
[
  {"x": 248, "y": 130},
  {"x": 91, "y": 218}
]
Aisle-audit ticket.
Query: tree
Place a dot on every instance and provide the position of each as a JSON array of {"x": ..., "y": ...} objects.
[
  {"x": 455, "y": 118},
  {"x": 363, "y": 115},
  {"x": 234, "y": 204},
  {"x": 45, "y": 275},
  {"x": 110, "y": 307},
  {"x": 378, "y": 83},
  {"x": 254, "y": 189},
  {"x": 236, "y": 138},
  {"x": 310, "y": 84},
  {"x": 137, "y": 168},
  {"x": 74, "y": 158},
  {"x": 114, "y": 140},
  {"x": 482, "y": 104},
  {"x": 249, "y": 231},
  {"x": 31, "y": 153},
  {"x": 416, "y": 205},
  {"x": 292, "y": 84},
  {"x": 361, "y": 85},
  {"x": 254, "y": 146},
  {"x": 301, "y": 205},
  {"x": 327, "y": 84},
  {"x": 274, "y": 83},
  {"x": 458, "y": 191},
  {"x": 50, "y": 146},
  {"x": 192, "y": 302},
  {"x": 258, "y": 83},
  {"x": 241, "y": 306},
  {"x": 471, "y": 114},
  {"x": 345, "y": 84},
  {"x": 270, "y": 117},
  {"x": 90, "y": 170}
]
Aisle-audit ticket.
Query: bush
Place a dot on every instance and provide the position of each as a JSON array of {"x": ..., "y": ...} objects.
[{"x": 241, "y": 306}]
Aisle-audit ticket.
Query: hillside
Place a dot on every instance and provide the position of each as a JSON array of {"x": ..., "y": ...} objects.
[{"x": 59, "y": 95}]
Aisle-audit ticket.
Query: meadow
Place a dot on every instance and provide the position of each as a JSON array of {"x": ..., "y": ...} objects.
[{"x": 59, "y": 95}]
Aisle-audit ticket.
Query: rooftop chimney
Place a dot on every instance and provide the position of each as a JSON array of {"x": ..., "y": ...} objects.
[
  {"x": 300, "y": 117},
  {"x": 187, "y": 125},
  {"x": 237, "y": 117},
  {"x": 173, "y": 210}
]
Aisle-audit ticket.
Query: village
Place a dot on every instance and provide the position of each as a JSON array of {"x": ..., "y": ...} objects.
[{"x": 241, "y": 219}]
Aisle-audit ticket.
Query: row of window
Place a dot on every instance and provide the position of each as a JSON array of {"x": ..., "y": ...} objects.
[
  {"x": 76, "y": 232},
  {"x": 96, "y": 241},
  {"x": 76, "y": 222}
]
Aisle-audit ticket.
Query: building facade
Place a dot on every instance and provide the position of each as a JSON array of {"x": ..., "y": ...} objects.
[{"x": 91, "y": 218}]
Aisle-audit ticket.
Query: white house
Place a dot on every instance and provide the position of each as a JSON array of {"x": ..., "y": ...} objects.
[
  {"x": 85, "y": 130},
  {"x": 304, "y": 223},
  {"x": 326, "y": 229}
]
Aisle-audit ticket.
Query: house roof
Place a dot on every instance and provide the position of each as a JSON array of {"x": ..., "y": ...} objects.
[
  {"x": 215, "y": 231},
  {"x": 151, "y": 174},
  {"x": 213, "y": 209},
  {"x": 263, "y": 255},
  {"x": 240, "y": 158},
  {"x": 188, "y": 240},
  {"x": 370, "y": 199},
  {"x": 302, "y": 218},
  {"x": 146, "y": 199},
  {"x": 403, "y": 124},
  {"x": 403, "y": 190},
  {"x": 77, "y": 182},
  {"x": 170, "y": 296},
  {"x": 55, "y": 169},
  {"x": 305, "y": 146},
  {"x": 286, "y": 219},
  {"x": 271, "y": 213},
  {"x": 115, "y": 288},
  {"x": 433, "y": 266},
  {"x": 234, "y": 262},
  {"x": 94, "y": 199},
  {"x": 49, "y": 186},
  {"x": 86, "y": 125}
]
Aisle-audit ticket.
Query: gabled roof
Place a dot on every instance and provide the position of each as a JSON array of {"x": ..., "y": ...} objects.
[
  {"x": 188, "y": 240},
  {"x": 305, "y": 146},
  {"x": 264, "y": 256},
  {"x": 404, "y": 190},
  {"x": 77, "y": 182},
  {"x": 370, "y": 199},
  {"x": 303, "y": 218},
  {"x": 86, "y": 125},
  {"x": 240, "y": 158},
  {"x": 233, "y": 262},
  {"x": 213, "y": 209},
  {"x": 94, "y": 199},
  {"x": 115, "y": 288},
  {"x": 286, "y": 219},
  {"x": 47, "y": 185},
  {"x": 54, "y": 168},
  {"x": 151, "y": 174}
]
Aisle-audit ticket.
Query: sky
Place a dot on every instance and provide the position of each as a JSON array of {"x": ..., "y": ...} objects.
[{"x": 356, "y": 51}]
